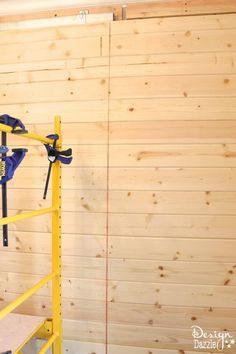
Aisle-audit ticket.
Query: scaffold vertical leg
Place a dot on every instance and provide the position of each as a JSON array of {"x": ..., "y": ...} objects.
[{"x": 56, "y": 245}]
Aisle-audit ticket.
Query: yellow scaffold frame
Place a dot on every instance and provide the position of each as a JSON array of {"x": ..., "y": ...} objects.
[{"x": 51, "y": 329}]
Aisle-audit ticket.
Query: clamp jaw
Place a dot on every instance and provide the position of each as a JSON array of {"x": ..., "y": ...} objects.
[
  {"x": 16, "y": 124},
  {"x": 64, "y": 156},
  {"x": 8, "y": 164}
]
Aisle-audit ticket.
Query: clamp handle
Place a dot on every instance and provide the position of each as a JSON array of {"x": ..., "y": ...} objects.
[
  {"x": 19, "y": 149},
  {"x": 19, "y": 131},
  {"x": 49, "y": 170},
  {"x": 67, "y": 152}
]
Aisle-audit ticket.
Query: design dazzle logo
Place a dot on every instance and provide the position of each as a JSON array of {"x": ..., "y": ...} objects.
[{"x": 211, "y": 340}]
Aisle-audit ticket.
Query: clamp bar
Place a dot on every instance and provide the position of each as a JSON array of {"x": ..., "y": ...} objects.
[
  {"x": 4, "y": 197},
  {"x": 7, "y": 129}
]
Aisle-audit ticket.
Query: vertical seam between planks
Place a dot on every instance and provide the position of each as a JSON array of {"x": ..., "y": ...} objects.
[{"x": 107, "y": 211}]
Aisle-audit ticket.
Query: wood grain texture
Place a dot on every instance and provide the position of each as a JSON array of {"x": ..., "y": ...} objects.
[
  {"x": 142, "y": 336},
  {"x": 162, "y": 64},
  {"x": 173, "y": 42},
  {"x": 172, "y": 155},
  {"x": 140, "y": 314},
  {"x": 185, "y": 179},
  {"x": 49, "y": 50},
  {"x": 176, "y": 86},
  {"x": 39, "y": 242},
  {"x": 151, "y": 120},
  {"x": 81, "y": 178},
  {"x": 173, "y": 108},
  {"x": 146, "y": 337},
  {"x": 188, "y": 295},
  {"x": 170, "y": 249},
  {"x": 167, "y": 24},
  {"x": 94, "y": 201},
  {"x": 118, "y": 349},
  {"x": 48, "y": 91},
  {"x": 152, "y": 201},
  {"x": 47, "y": 34},
  {"x": 195, "y": 270},
  {"x": 43, "y": 112},
  {"x": 59, "y": 64},
  {"x": 181, "y": 272},
  {"x": 187, "y": 226},
  {"x": 201, "y": 203},
  {"x": 173, "y": 132},
  {"x": 162, "y": 101},
  {"x": 180, "y": 8},
  {"x": 140, "y": 10},
  {"x": 52, "y": 75}
]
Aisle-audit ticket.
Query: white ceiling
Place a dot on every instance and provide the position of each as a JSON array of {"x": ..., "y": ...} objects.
[{"x": 13, "y": 7}]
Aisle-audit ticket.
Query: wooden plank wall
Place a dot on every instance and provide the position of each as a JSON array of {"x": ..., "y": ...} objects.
[
  {"x": 171, "y": 180},
  {"x": 133, "y": 10},
  {"x": 149, "y": 109},
  {"x": 46, "y": 72}
]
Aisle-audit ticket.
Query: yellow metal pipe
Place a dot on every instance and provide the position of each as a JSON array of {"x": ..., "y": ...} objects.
[
  {"x": 56, "y": 245},
  {"x": 26, "y": 215},
  {"x": 42, "y": 139},
  {"x": 19, "y": 300},
  {"x": 56, "y": 339},
  {"x": 48, "y": 344}
]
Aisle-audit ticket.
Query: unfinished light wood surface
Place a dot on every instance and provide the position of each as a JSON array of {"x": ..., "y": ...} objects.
[
  {"x": 164, "y": 99},
  {"x": 138, "y": 9},
  {"x": 73, "y": 57},
  {"x": 15, "y": 329},
  {"x": 154, "y": 104}
]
